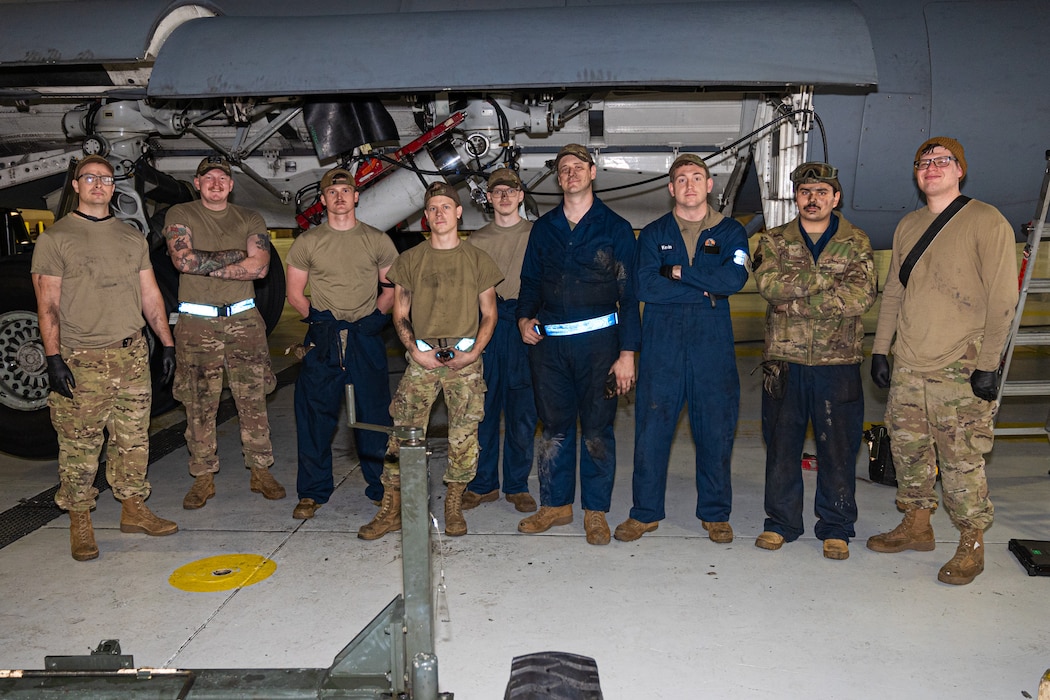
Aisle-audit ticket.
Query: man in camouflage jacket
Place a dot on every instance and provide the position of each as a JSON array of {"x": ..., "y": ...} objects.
[{"x": 818, "y": 276}]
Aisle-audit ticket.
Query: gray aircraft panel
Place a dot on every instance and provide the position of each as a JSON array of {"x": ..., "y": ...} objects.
[{"x": 696, "y": 44}]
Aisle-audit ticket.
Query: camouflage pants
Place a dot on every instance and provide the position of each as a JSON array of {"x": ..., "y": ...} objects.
[
  {"x": 113, "y": 392},
  {"x": 934, "y": 418},
  {"x": 203, "y": 348},
  {"x": 465, "y": 398}
]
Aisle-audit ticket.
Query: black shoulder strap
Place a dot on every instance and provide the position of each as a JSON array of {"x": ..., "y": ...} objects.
[{"x": 927, "y": 238}]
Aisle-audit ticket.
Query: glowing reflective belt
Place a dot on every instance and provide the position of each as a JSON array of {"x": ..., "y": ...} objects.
[
  {"x": 463, "y": 345},
  {"x": 188, "y": 307},
  {"x": 576, "y": 327}
]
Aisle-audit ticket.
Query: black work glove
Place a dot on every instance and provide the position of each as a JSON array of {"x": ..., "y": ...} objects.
[
  {"x": 880, "y": 371},
  {"x": 668, "y": 272},
  {"x": 985, "y": 384},
  {"x": 167, "y": 364},
  {"x": 59, "y": 376}
]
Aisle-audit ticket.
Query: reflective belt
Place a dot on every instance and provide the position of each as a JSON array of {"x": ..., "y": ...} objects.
[
  {"x": 463, "y": 344},
  {"x": 188, "y": 307},
  {"x": 577, "y": 327}
]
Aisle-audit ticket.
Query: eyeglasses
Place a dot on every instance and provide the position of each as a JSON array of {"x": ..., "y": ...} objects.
[
  {"x": 504, "y": 192},
  {"x": 939, "y": 161},
  {"x": 90, "y": 179},
  {"x": 814, "y": 171}
]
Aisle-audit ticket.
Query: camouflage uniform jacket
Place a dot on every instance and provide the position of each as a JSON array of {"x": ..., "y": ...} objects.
[{"x": 822, "y": 301}]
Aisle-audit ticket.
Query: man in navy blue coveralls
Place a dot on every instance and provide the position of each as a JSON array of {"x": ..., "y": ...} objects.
[
  {"x": 344, "y": 261},
  {"x": 689, "y": 262},
  {"x": 578, "y": 311}
]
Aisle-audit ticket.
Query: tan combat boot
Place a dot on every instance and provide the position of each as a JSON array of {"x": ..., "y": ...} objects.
[
  {"x": 203, "y": 488},
  {"x": 914, "y": 532},
  {"x": 968, "y": 560},
  {"x": 388, "y": 519},
  {"x": 82, "y": 536},
  {"x": 136, "y": 517},
  {"x": 473, "y": 500},
  {"x": 545, "y": 519},
  {"x": 264, "y": 483},
  {"x": 455, "y": 523},
  {"x": 595, "y": 526}
]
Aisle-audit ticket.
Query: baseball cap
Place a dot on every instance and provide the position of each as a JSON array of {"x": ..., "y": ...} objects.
[
  {"x": 340, "y": 176},
  {"x": 214, "y": 162},
  {"x": 506, "y": 177},
  {"x": 441, "y": 189},
  {"x": 574, "y": 149},
  {"x": 945, "y": 142},
  {"x": 688, "y": 159},
  {"x": 88, "y": 160},
  {"x": 816, "y": 171}
]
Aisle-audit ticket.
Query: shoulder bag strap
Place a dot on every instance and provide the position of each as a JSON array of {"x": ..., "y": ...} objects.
[{"x": 927, "y": 238}]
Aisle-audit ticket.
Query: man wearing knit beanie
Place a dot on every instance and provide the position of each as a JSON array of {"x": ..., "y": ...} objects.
[{"x": 947, "y": 314}]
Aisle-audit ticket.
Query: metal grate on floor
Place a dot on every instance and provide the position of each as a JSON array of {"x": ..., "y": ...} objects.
[{"x": 33, "y": 513}]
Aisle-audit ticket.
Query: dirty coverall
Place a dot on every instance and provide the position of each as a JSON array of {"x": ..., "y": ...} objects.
[
  {"x": 570, "y": 275},
  {"x": 687, "y": 357}
]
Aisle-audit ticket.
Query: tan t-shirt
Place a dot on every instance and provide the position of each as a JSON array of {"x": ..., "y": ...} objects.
[
  {"x": 445, "y": 286},
  {"x": 343, "y": 267},
  {"x": 962, "y": 290},
  {"x": 99, "y": 263},
  {"x": 213, "y": 231},
  {"x": 506, "y": 246},
  {"x": 691, "y": 229}
]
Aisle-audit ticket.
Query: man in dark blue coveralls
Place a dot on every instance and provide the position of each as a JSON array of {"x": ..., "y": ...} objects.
[
  {"x": 689, "y": 261},
  {"x": 345, "y": 262},
  {"x": 577, "y": 309},
  {"x": 509, "y": 394}
]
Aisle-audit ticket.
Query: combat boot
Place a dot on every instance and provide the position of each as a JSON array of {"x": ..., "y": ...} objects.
[
  {"x": 388, "y": 519},
  {"x": 82, "y": 536},
  {"x": 136, "y": 517},
  {"x": 203, "y": 488},
  {"x": 473, "y": 500},
  {"x": 455, "y": 523},
  {"x": 968, "y": 561},
  {"x": 264, "y": 483},
  {"x": 548, "y": 517},
  {"x": 914, "y": 532}
]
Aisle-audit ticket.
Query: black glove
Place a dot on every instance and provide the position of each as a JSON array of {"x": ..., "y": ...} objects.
[
  {"x": 167, "y": 364},
  {"x": 59, "y": 376},
  {"x": 985, "y": 384},
  {"x": 668, "y": 272},
  {"x": 880, "y": 371}
]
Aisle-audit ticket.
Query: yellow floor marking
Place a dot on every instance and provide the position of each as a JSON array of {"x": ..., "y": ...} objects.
[{"x": 222, "y": 573}]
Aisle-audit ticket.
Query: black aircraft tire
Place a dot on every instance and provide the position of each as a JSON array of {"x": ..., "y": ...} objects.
[
  {"x": 553, "y": 675},
  {"x": 26, "y": 433},
  {"x": 270, "y": 291}
]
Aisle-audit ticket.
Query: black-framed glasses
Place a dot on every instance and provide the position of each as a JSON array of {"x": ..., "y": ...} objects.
[
  {"x": 90, "y": 179},
  {"x": 939, "y": 161},
  {"x": 504, "y": 192}
]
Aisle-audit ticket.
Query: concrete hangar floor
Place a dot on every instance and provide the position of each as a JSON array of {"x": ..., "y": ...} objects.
[{"x": 670, "y": 616}]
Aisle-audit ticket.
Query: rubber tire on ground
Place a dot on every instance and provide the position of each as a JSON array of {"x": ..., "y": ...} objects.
[
  {"x": 27, "y": 434},
  {"x": 553, "y": 675}
]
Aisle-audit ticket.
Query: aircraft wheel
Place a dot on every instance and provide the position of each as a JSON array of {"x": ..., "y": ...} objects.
[{"x": 25, "y": 422}]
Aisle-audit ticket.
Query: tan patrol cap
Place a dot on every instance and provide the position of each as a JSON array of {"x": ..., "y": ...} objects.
[
  {"x": 574, "y": 149},
  {"x": 337, "y": 176},
  {"x": 506, "y": 177},
  {"x": 441, "y": 189}
]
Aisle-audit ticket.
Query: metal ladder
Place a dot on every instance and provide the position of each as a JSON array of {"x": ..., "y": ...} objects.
[{"x": 1038, "y": 232}]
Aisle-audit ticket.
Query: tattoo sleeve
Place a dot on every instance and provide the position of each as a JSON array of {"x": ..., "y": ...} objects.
[{"x": 197, "y": 262}]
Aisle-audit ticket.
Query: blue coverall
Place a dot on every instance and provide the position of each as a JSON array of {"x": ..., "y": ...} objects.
[
  {"x": 509, "y": 382},
  {"x": 567, "y": 276},
  {"x": 687, "y": 357},
  {"x": 319, "y": 394}
]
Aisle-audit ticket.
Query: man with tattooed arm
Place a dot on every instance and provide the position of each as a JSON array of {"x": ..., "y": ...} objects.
[{"x": 220, "y": 248}]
